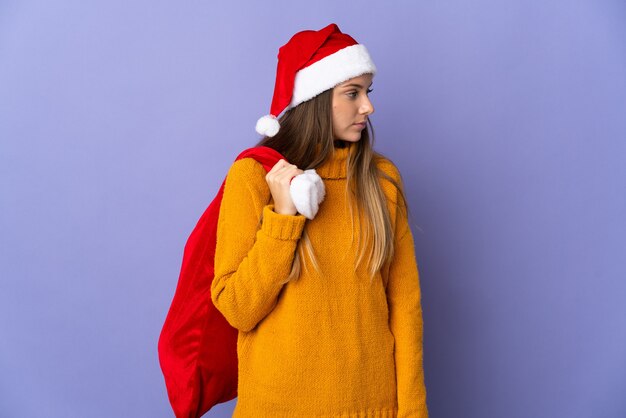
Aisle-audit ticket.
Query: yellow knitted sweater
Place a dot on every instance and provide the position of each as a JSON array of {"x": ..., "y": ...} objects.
[{"x": 330, "y": 345}]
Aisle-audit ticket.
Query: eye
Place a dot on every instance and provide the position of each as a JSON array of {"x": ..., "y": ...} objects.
[{"x": 353, "y": 94}]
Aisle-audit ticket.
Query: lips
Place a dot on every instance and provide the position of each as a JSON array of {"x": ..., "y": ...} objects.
[{"x": 360, "y": 125}]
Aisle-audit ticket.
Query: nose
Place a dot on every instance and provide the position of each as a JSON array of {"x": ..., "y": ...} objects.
[{"x": 366, "y": 107}]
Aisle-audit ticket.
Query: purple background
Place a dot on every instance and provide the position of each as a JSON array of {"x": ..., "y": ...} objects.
[{"x": 507, "y": 120}]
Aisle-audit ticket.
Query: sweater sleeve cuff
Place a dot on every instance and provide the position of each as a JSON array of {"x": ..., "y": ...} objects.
[{"x": 279, "y": 226}]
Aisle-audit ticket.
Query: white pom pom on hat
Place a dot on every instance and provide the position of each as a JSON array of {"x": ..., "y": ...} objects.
[
  {"x": 267, "y": 125},
  {"x": 310, "y": 63}
]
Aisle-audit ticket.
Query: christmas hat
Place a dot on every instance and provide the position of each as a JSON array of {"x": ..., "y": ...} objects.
[{"x": 309, "y": 64}]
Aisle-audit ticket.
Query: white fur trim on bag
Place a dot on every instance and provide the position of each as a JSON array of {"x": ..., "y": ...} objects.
[{"x": 307, "y": 192}]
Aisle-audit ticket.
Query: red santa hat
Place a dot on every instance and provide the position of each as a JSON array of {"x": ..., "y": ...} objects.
[{"x": 309, "y": 64}]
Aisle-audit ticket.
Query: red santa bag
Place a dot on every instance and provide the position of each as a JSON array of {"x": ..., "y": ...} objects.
[{"x": 197, "y": 346}]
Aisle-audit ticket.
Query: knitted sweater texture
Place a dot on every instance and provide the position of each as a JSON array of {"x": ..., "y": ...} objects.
[{"x": 322, "y": 345}]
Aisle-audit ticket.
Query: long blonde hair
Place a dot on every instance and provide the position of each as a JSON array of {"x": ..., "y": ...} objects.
[{"x": 306, "y": 139}]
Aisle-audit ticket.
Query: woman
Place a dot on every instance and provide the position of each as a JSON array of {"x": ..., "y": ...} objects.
[{"x": 328, "y": 309}]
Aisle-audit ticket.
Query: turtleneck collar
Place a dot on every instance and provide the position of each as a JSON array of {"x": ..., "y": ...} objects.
[{"x": 335, "y": 165}]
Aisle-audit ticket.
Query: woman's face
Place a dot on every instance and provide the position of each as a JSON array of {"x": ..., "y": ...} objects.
[{"x": 351, "y": 107}]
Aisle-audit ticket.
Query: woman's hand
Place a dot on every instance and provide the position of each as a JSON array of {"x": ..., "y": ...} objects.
[{"x": 279, "y": 180}]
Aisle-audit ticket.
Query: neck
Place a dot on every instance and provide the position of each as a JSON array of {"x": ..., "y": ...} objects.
[
  {"x": 340, "y": 143},
  {"x": 335, "y": 166}
]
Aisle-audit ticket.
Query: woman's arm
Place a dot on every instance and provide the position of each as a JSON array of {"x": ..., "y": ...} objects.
[
  {"x": 251, "y": 265},
  {"x": 405, "y": 320}
]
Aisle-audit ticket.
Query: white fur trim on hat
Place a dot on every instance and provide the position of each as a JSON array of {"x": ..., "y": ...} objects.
[
  {"x": 351, "y": 61},
  {"x": 307, "y": 192}
]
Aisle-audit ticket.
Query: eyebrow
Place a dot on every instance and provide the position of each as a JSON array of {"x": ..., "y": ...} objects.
[{"x": 356, "y": 85}]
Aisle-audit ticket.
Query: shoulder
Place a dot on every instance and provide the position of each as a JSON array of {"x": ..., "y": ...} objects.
[
  {"x": 387, "y": 169},
  {"x": 390, "y": 180},
  {"x": 247, "y": 172},
  {"x": 247, "y": 168}
]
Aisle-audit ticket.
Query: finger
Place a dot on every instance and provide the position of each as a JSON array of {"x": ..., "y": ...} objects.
[
  {"x": 283, "y": 177},
  {"x": 279, "y": 165},
  {"x": 286, "y": 169}
]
